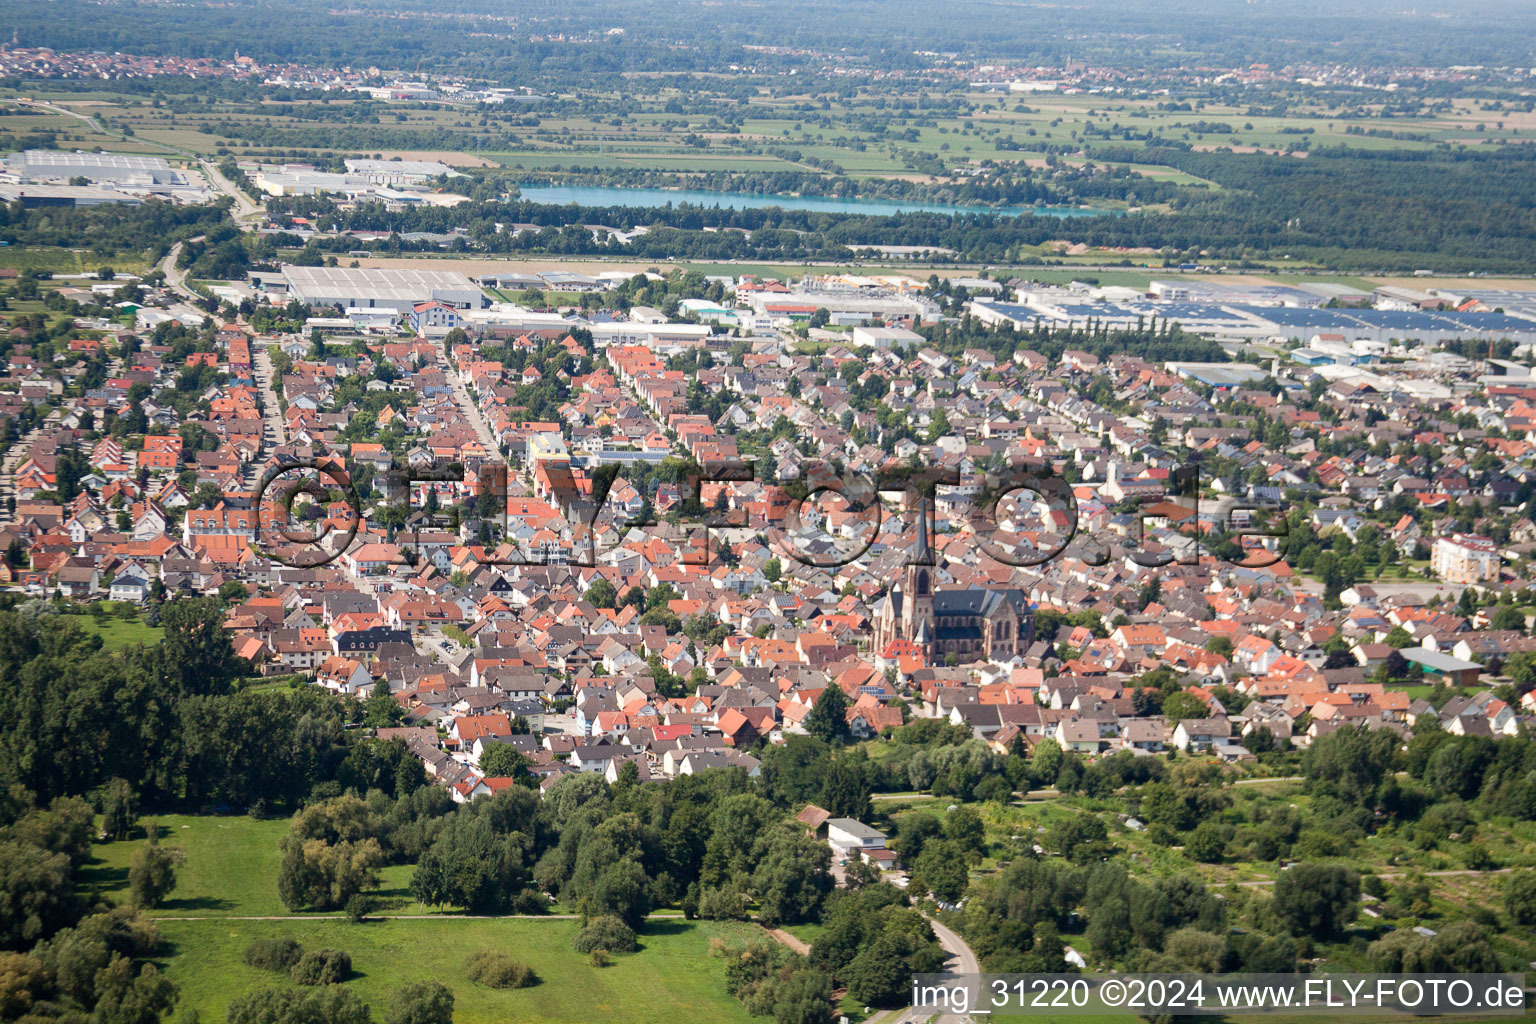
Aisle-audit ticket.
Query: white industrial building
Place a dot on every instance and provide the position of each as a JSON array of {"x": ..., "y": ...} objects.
[
  {"x": 400, "y": 172},
  {"x": 304, "y": 182},
  {"x": 504, "y": 318},
  {"x": 375, "y": 288},
  {"x": 886, "y": 338},
  {"x": 122, "y": 168}
]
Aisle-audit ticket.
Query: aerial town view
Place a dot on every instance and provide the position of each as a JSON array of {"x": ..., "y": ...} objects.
[{"x": 659, "y": 513}]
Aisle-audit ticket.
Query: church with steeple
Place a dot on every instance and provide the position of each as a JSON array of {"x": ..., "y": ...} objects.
[{"x": 971, "y": 624}]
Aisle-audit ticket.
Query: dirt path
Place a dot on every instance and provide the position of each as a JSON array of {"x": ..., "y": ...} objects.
[
  {"x": 1403, "y": 874},
  {"x": 783, "y": 938}
]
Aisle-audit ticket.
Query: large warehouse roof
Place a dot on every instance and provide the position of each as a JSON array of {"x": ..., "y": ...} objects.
[
  {"x": 372, "y": 286},
  {"x": 416, "y": 168},
  {"x": 48, "y": 163}
]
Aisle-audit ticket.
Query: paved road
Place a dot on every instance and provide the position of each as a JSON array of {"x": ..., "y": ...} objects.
[
  {"x": 266, "y": 383},
  {"x": 176, "y": 278},
  {"x": 94, "y": 125},
  {"x": 245, "y": 210},
  {"x": 14, "y": 457},
  {"x": 471, "y": 410},
  {"x": 962, "y": 961}
]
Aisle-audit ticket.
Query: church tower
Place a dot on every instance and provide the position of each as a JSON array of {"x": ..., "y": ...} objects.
[{"x": 917, "y": 591}]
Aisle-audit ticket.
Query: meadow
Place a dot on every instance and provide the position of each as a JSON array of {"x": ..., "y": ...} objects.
[
  {"x": 862, "y": 136},
  {"x": 672, "y": 977},
  {"x": 226, "y": 897}
]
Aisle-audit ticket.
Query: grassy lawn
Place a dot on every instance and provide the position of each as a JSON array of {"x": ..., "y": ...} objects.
[
  {"x": 672, "y": 978},
  {"x": 230, "y": 871},
  {"x": 230, "y": 865},
  {"x": 117, "y": 633}
]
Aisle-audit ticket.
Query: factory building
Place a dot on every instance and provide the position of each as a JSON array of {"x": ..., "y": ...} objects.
[
  {"x": 64, "y": 195},
  {"x": 373, "y": 288},
  {"x": 400, "y": 172},
  {"x": 1251, "y": 322},
  {"x": 120, "y": 168}
]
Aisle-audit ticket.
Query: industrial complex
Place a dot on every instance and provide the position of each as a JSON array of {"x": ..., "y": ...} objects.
[{"x": 372, "y": 288}]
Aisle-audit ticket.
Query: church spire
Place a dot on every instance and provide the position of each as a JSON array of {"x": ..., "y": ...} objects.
[{"x": 923, "y": 555}]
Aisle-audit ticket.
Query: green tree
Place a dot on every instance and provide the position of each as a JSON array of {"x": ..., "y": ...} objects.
[
  {"x": 964, "y": 827},
  {"x": 1181, "y": 706},
  {"x": 119, "y": 810},
  {"x": 37, "y": 890},
  {"x": 1317, "y": 899},
  {"x": 792, "y": 876},
  {"x": 1509, "y": 617},
  {"x": 845, "y": 786},
  {"x": 621, "y": 890},
  {"x": 828, "y": 719},
  {"x": 152, "y": 871},
  {"x": 504, "y": 761},
  {"x": 941, "y": 871},
  {"x": 327, "y": 1004},
  {"x": 1520, "y": 897},
  {"x": 1081, "y": 839},
  {"x": 380, "y": 709},
  {"x": 1351, "y": 763},
  {"x": 602, "y": 593},
  {"x": 1205, "y": 843},
  {"x": 196, "y": 655},
  {"x": 421, "y": 1002},
  {"x": 322, "y": 875}
]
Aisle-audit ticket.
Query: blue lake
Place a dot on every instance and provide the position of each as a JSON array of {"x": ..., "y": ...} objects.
[{"x": 603, "y": 195}]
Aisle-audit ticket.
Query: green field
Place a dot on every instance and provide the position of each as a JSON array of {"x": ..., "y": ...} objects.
[
  {"x": 671, "y": 979},
  {"x": 777, "y": 133},
  {"x": 115, "y": 632},
  {"x": 230, "y": 869},
  {"x": 230, "y": 865},
  {"x": 226, "y": 896}
]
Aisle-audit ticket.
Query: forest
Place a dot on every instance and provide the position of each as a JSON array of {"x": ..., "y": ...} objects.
[{"x": 536, "y": 42}]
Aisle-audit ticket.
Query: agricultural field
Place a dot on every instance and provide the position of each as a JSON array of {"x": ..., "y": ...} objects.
[{"x": 863, "y": 136}]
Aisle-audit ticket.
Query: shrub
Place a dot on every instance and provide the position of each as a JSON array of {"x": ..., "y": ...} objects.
[
  {"x": 423, "y": 1002},
  {"x": 530, "y": 901},
  {"x": 600, "y": 958},
  {"x": 1205, "y": 843},
  {"x": 273, "y": 954},
  {"x": 607, "y": 933},
  {"x": 322, "y": 967},
  {"x": 498, "y": 970},
  {"x": 359, "y": 907}
]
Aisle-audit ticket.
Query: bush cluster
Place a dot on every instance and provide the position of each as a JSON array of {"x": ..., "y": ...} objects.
[
  {"x": 606, "y": 932},
  {"x": 498, "y": 970}
]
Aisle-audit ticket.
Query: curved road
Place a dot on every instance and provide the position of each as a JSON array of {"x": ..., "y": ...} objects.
[{"x": 962, "y": 961}]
